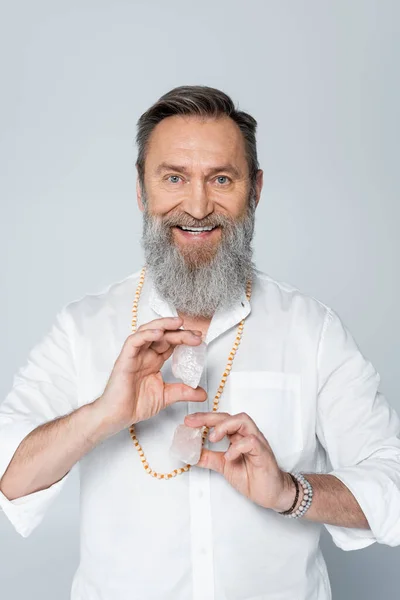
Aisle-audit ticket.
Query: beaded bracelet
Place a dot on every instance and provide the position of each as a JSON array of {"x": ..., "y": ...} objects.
[{"x": 306, "y": 500}]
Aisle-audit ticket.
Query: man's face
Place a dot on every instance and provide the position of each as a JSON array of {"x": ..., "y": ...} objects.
[{"x": 196, "y": 175}]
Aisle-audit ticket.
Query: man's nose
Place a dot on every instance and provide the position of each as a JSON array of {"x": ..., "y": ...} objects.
[{"x": 197, "y": 202}]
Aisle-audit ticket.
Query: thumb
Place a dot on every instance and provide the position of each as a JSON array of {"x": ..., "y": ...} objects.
[
  {"x": 180, "y": 392},
  {"x": 210, "y": 459}
]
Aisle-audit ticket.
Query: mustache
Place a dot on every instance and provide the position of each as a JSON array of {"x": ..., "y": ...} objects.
[{"x": 185, "y": 220}]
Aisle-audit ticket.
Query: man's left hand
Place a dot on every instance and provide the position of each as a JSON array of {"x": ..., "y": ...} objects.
[{"x": 249, "y": 464}]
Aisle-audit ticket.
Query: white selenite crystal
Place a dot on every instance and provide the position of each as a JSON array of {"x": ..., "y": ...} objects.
[
  {"x": 188, "y": 363},
  {"x": 187, "y": 444}
]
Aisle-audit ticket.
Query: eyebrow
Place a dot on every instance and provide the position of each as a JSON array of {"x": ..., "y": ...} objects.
[{"x": 182, "y": 169}]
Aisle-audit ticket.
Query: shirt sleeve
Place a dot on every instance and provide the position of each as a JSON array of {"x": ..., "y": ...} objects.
[
  {"x": 44, "y": 389},
  {"x": 360, "y": 432}
]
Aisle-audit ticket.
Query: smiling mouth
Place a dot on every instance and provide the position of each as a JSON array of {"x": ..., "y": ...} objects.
[{"x": 197, "y": 230}]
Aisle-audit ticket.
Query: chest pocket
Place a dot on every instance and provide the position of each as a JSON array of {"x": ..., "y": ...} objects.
[{"x": 273, "y": 400}]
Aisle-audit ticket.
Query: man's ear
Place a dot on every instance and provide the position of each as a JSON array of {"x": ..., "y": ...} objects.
[
  {"x": 139, "y": 194},
  {"x": 259, "y": 184}
]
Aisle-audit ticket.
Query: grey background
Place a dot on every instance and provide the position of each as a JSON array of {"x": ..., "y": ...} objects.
[{"x": 321, "y": 77}]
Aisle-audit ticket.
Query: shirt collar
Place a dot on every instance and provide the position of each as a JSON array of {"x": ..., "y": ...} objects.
[{"x": 222, "y": 320}]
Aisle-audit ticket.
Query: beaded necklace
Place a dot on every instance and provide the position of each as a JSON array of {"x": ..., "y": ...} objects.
[{"x": 225, "y": 375}]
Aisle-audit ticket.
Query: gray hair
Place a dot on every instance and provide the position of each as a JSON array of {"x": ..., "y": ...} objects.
[{"x": 202, "y": 101}]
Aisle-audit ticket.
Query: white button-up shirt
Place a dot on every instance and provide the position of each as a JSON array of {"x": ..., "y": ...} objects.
[{"x": 298, "y": 373}]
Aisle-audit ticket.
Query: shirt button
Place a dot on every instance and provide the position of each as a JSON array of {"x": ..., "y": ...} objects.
[{"x": 201, "y": 494}]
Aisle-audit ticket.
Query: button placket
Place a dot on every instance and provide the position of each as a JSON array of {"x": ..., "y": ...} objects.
[{"x": 201, "y": 524}]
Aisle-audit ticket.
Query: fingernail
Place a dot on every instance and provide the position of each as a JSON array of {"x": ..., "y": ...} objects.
[{"x": 212, "y": 436}]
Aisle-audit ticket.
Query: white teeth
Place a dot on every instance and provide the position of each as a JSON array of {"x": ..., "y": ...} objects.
[{"x": 197, "y": 229}]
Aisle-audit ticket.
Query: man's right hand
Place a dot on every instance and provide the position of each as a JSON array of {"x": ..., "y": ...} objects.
[{"x": 135, "y": 390}]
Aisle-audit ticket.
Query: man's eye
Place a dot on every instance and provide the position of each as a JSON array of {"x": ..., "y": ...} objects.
[
  {"x": 174, "y": 178},
  {"x": 222, "y": 179}
]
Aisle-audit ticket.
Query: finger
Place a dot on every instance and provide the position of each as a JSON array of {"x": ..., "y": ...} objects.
[
  {"x": 234, "y": 438},
  {"x": 166, "y": 323},
  {"x": 250, "y": 446},
  {"x": 224, "y": 424},
  {"x": 135, "y": 342},
  {"x": 180, "y": 392},
  {"x": 212, "y": 460},
  {"x": 236, "y": 424},
  {"x": 166, "y": 355},
  {"x": 143, "y": 339},
  {"x": 209, "y": 419},
  {"x": 174, "y": 338}
]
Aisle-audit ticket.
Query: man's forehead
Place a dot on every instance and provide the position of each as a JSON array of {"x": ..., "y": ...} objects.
[{"x": 188, "y": 138}]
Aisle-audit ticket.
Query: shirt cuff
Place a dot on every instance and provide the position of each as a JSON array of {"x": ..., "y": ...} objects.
[
  {"x": 25, "y": 512},
  {"x": 376, "y": 487}
]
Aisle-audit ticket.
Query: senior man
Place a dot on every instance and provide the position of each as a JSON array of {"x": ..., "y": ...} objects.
[{"x": 284, "y": 393}]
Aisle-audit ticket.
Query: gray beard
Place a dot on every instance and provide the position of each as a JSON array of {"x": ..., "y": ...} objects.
[{"x": 201, "y": 280}]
